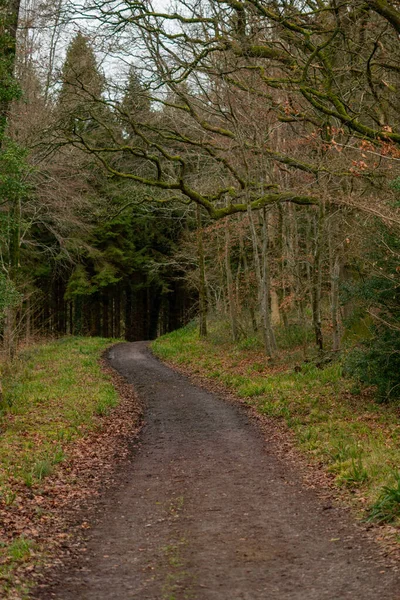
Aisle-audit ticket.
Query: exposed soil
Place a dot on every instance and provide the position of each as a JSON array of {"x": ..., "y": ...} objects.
[{"x": 207, "y": 510}]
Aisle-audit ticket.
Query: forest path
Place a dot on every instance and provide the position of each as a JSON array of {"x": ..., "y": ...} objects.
[{"x": 206, "y": 511}]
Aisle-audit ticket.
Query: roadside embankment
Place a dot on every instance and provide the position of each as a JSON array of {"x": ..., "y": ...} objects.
[
  {"x": 338, "y": 428},
  {"x": 66, "y": 419}
]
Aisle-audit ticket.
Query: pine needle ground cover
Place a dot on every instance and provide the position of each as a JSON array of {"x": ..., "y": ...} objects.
[
  {"x": 335, "y": 423},
  {"x": 59, "y": 425}
]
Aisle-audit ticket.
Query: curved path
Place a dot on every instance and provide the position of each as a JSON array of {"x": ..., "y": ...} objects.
[{"x": 205, "y": 511}]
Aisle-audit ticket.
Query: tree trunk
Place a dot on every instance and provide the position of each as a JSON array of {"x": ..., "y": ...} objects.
[
  {"x": 202, "y": 278},
  {"x": 106, "y": 323},
  {"x": 275, "y": 312},
  {"x": 128, "y": 333},
  {"x": 262, "y": 276},
  {"x": 154, "y": 312},
  {"x": 283, "y": 265},
  {"x": 117, "y": 314},
  {"x": 316, "y": 277},
  {"x": 54, "y": 39},
  {"x": 266, "y": 288},
  {"x": 77, "y": 316},
  {"x": 335, "y": 274},
  {"x": 230, "y": 286},
  {"x": 249, "y": 294}
]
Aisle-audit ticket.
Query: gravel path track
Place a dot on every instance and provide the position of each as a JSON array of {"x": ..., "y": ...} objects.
[{"x": 205, "y": 510}]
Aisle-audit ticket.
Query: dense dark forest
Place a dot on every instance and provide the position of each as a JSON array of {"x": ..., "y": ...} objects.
[
  {"x": 81, "y": 252},
  {"x": 237, "y": 160}
]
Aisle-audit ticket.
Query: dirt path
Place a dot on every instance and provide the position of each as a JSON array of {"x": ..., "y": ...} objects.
[{"x": 205, "y": 511}]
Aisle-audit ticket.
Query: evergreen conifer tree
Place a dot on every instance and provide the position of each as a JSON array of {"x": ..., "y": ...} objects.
[
  {"x": 9, "y": 89},
  {"x": 136, "y": 101},
  {"x": 82, "y": 86}
]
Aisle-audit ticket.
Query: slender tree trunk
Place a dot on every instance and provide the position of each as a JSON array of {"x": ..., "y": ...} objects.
[
  {"x": 154, "y": 312},
  {"x": 262, "y": 275},
  {"x": 77, "y": 316},
  {"x": 221, "y": 300},
  {"x": 106, "y": 311},
  {"x": 54, "y": 39},
  {"x": 275, "y": 312},
  {"x": 202, "y": 278},
  {"x": 266, "y": 286},
  {"x": 283, "y": 263},
  {"x": 334, "y": 260},
  {"x": 128, "y": 312},
  {"x": 316, "y": 277},
  {"x": 96, "y": 312},
  {"x": 112, "y": 315},
  {"x": 117, "y": 329},
  {"x": 249, "y": 293},
  {"x": 309, "y": 251},
  {"x": 230, "y": 285},
  {"x": 296, "y": 274}
]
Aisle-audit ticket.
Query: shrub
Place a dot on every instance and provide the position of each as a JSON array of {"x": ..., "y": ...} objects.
[{"x": 377, "y": 362}]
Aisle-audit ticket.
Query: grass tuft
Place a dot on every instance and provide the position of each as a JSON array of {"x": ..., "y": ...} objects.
[
  {"x": 387, "y": 507},
  {"x": 20, "y": 549}
]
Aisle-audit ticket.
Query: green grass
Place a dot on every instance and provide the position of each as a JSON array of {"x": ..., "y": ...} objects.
[
  {"x": 386, "y": 509},
  {"x": 53, "y": 394},
  {"x": 334, "y": 422},
  {"x": 20, "y": 549}
]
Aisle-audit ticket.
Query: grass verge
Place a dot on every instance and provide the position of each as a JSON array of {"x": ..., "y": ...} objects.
[
  {"x": 336, "y": 424},
  {"x": 54, "y": 395}
]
